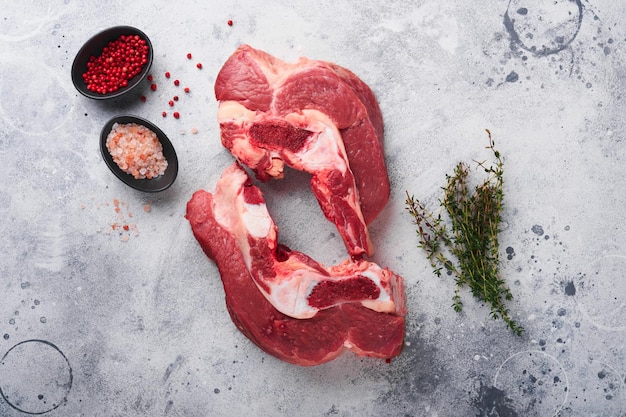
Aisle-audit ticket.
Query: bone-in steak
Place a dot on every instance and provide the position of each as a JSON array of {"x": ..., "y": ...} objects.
[
  {"x": 314, "y": 116},
  {"x": 320, "y": 118},
  {"x": 285, "y": 302}
]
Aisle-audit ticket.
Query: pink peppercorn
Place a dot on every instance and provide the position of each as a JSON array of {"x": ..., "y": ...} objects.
[{"x": 120, "y": 60}]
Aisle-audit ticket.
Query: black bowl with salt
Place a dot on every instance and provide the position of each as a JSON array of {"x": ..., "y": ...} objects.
[{"x": 149, "y": 185}]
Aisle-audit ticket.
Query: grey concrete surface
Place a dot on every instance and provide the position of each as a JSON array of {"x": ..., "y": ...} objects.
[{"x": 99, "y": 321}]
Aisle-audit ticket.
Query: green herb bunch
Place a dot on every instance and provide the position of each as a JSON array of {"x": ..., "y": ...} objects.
[{"x": 466, "y": 245}]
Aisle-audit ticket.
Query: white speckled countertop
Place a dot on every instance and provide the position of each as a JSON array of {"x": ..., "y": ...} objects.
[{"x": 102, "y": 322}]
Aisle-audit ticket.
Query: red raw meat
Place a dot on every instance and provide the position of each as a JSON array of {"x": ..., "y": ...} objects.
[
  {"x": 320, "y": 118},
  {"x": 356, "y": 305},
  {"x": 314, "y": 116}
]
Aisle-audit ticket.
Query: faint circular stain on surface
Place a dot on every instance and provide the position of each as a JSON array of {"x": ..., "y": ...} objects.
[
  {"x": 541, "y": 27},
  {"x": 534, "y": 381},
  {"x": 32, "y": 99},
  {"x": 24, "y": 19},
  {"x": 35, "y": 377},
  {"x": 602, "y": 301},
  {"x": 606, "y": 387}
]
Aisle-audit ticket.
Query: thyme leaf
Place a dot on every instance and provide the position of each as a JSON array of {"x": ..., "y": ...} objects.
[{"x": 465, "y": 244}]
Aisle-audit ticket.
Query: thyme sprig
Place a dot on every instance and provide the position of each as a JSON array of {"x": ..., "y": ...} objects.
[{"x": 466, "y": 245}]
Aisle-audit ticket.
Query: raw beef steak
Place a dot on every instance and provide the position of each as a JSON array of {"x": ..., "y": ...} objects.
[
  {"x": 314, "y": 116},
  {"x": 285, "y": 302}
]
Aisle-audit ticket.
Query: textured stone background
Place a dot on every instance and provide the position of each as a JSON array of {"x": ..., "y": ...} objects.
[{"x": 98, "y": 323}]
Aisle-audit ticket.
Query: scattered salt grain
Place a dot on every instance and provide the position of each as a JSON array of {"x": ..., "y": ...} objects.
[{"x": 136, "y": 150}]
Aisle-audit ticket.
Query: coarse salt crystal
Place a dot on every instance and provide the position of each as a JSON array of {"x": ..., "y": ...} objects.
[{"x": 136, "y": 150}]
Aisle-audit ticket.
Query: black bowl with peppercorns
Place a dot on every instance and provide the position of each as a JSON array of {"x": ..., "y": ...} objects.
[{"x": 112, "y": 63}]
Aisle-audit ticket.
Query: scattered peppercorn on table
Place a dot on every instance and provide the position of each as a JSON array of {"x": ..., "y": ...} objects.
[{"x": 109, "y": 307}]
